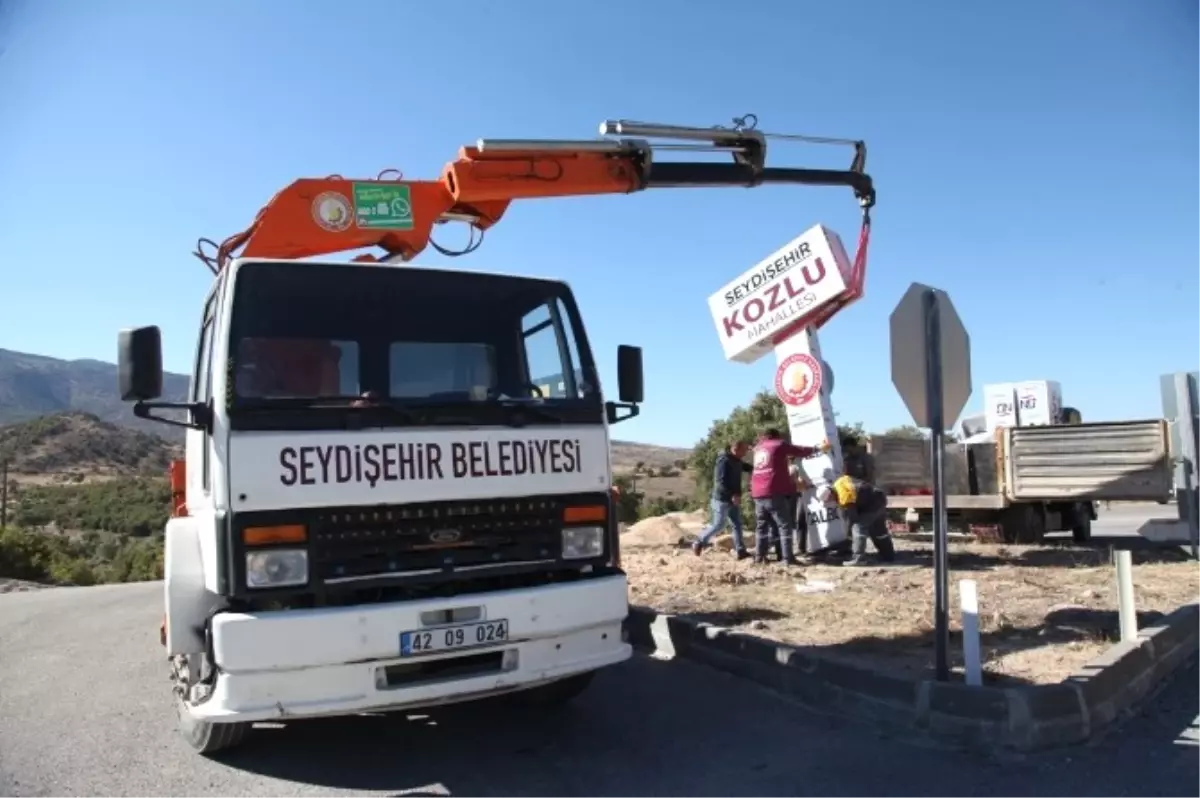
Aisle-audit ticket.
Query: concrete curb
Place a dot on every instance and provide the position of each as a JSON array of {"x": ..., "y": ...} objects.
[{"x": 1023, "y": 718}]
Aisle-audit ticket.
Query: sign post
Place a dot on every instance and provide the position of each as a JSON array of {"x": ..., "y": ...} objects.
[
  {"x": 777, "y": 306},
  {"x": 931, "y": 369},
  {"x": 804, "y": 383}
]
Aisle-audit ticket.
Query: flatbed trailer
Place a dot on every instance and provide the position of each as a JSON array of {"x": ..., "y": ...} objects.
[
  {"x": 993, "y": 518},
  {"x": 1026, "y": 481}
]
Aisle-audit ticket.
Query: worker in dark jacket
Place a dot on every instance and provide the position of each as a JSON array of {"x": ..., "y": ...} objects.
[
  {"x": 864, "y": 508},
  {"x": 727, "y": 497},
  {"x": 773, "y": 486}
]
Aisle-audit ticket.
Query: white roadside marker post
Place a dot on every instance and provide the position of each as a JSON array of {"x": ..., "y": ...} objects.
[
  {"x": 1125, "y": 608},
  {"x": 968, "y": 598}
]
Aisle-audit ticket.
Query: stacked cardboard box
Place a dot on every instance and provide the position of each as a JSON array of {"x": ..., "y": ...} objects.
[
  {"x": 1039, "y": 403},
  {"x": 1000, "y": 405},
  {"x": 1033, "y": 403}
]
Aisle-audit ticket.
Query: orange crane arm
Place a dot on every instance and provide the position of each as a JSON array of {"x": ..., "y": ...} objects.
[{"x": 314, "y": 216}]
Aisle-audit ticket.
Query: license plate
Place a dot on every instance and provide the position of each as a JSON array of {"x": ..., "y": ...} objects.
[{"x": 449, "y": 638}]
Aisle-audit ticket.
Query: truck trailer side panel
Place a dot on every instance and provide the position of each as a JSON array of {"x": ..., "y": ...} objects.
[{"x": 1123, "y": 461}]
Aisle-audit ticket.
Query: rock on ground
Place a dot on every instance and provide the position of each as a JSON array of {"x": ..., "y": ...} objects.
[{"x": 19, "y": 586}]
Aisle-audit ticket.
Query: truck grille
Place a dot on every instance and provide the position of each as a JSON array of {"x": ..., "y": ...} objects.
[{"x": 444, "y": 536}]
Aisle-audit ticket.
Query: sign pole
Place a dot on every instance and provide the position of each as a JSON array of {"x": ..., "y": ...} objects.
[
  {"x": 931, "y": 368},
  {"x": 937, "y": 443}
]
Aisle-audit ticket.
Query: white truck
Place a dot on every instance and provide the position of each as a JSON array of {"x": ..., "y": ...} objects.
[
  {"x": 452, "y": 538},
  {"x": 397, "y": 485}
]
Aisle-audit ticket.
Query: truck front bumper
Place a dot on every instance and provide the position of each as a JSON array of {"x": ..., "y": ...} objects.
[{"x": 344, "y": 660}]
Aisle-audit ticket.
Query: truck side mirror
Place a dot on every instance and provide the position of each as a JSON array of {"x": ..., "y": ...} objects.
[
  {"x": 629, "y": 373},
  {"x": 139, "y": 364}
]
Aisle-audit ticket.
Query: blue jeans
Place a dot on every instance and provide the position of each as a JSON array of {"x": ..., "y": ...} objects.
[{"x": 723, "y": 512}]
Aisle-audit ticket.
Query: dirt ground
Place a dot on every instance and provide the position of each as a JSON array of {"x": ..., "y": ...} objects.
[{"x": 1044, "y": 611}]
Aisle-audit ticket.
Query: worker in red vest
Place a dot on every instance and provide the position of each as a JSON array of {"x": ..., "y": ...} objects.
[{"x": 773, "y": 486}]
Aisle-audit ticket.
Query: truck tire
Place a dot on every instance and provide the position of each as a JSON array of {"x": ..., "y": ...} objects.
[
  {"x": 1081, "y": 531},
  {"x": 203, "y": 736},
  {"x": 1023, "y": 524},
  {"x": 209, "y": 738},
  {"x": 556, "y": 693}
]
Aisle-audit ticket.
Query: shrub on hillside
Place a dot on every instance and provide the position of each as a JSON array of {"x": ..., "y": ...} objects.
[
  {"x": 632, "y": 506},
  {"x": 74, "y": 440},
  {"x": 61, "y": 560},
  {"x": 136, "y": 506},
  {"x": 661, "y": 505}
]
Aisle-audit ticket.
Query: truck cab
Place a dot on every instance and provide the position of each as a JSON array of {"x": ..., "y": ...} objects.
[{"x": 396, "y": 494}]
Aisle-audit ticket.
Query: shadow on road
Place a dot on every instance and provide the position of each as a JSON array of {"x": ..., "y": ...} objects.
[
  {"x": 1160, "y": 741},
  {"x": 443, "y": 751},
  {"x": 645, "y": 730}
]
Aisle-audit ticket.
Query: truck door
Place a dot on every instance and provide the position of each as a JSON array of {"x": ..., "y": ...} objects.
[{"x": 198, "y": 445}]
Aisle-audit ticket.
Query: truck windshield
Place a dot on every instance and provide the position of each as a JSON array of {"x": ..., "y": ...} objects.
[{"x": 405, "y": 335}]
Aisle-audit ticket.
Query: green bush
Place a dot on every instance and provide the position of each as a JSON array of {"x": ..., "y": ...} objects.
[
  {"x": 137, "y": 506},
  {"x": 122, "y": 541},
  {"x": 629, "y": 502},
  {"x": 661, "y": 505},
  {"x": 632, "y": 506},
  {"x": 62, "y": 560}
]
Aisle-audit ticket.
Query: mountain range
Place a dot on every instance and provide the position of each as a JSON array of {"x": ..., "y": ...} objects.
[{"x": 36, "y": 385}]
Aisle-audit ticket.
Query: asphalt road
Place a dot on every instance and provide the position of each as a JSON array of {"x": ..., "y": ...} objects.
[
  {"x": 1126, "y": 518},
  {"x": 85, "y": 710},
  {"x": 1119, "y": 524}
]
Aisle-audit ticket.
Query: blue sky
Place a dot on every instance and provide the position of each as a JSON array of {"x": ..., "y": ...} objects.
[{"x": 1038, "y": 160}]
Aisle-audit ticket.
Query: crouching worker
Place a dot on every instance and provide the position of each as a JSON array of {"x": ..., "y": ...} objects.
[
  {"x": 864, "y": 508},
  {"x": 773, "y": 487}
]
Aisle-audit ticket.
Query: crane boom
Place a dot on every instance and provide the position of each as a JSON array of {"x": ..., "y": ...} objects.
[{"x": 319, "y": 216}]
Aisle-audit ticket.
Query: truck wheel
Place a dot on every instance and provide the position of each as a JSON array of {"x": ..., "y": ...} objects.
[
  {"x": 203, "y": 736},
  {"x": 1023, "y": 524},
  {"x": 209, "y": 738},
  {"x": 556, "y": 693},
  {"x": 1082, "y": 530}
]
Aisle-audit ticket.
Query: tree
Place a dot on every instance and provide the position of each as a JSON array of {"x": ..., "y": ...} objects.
[
  {"x": 905, "y": 431},
  {"x": 629, "y": 501},
  {"x": 765, "y": 410},
  {"x": 916, "y": 434}
]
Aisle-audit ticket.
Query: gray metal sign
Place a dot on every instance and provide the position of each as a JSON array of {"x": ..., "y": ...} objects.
[{"x": 922, "y": 314}]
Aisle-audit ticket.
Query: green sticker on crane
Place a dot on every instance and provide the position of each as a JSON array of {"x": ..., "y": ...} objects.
[{"x": 380, "y": 206}]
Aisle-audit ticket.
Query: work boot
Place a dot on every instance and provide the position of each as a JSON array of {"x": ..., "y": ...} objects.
[
  {"x": 697, "y": 548},
  {"x": 792, "y": 562},
  {"x": 742, "y": 554}
]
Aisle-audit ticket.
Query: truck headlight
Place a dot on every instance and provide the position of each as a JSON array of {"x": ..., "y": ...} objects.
[
  {"x": 582, "y": 542},
  {"x": 276, "y": 568}
]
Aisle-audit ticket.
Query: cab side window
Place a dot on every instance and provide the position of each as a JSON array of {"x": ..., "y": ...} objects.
[{"x": 551, "y": 356}]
